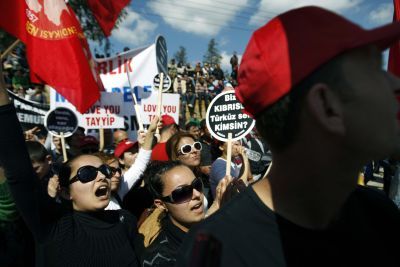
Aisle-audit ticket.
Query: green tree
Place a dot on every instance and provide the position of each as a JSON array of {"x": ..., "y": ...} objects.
[
  {"x": 212, "y": 55},
  {"x": 181, "y": 55},
  {"x": 5, "y": 40}
]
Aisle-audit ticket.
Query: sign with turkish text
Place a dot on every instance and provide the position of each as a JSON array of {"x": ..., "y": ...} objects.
[
  {"x": 30, "y": 114},
  {"x": 61, "y": 121},
  {"x": 141, "y": 66},
  {"x": 225, "y": 115}
]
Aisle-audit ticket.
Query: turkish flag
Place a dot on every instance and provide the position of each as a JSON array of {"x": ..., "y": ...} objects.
[
  {"x": 57, "y": 51},
  {"x": 106, "y": 12}
]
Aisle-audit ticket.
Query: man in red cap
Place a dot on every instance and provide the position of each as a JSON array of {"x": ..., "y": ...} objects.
[
  {"x": 169, "y": 128},
  {"x": 313, "y": 82}
]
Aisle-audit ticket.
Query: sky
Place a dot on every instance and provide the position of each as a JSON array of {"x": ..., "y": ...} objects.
[{"x": 192, "y": 23}]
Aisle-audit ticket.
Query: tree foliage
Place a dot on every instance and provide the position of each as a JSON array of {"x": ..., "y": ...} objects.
[
  {"x": 5, "y": 40},
  {"x": 181, "y": 55},
  {"x": 212, "y": 55}
]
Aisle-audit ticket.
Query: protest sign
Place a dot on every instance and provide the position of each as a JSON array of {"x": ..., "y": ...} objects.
[
  {"x": 141, "y": 66},
  {"x": 104, "y": 114},
  {"x": 226, "y": 121},
  {"x": 166, "y": 84},
  {"x": 170, "y": 106},
  {"x": 61, "y": 122},
  {"x": 162, "y": 54},
  {"x": 30, "y": 114},
  {"x": 225, "y": 115}
]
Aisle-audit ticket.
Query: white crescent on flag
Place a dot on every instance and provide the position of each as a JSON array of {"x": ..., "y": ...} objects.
[{"x": 52, "y": 9}]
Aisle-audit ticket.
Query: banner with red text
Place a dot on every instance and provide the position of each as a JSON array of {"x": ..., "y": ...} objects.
[{"x": 141, "y": 66}]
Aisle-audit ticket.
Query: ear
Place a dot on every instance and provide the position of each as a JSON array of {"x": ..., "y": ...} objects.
[
  {"x": 160, "y": 204},
  {"x": 326, "y": 108},
  {"x": 121, "y": 161}
]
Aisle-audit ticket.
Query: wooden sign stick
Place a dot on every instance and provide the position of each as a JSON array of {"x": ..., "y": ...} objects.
[
  {"x": 159, "y": 102},
  {"x": 64, "y": 149},
  {"x": 229, "y": 155},
  {"x": 101, "y": 136}
]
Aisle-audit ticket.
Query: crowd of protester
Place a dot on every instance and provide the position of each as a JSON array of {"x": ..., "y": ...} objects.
[
  {"x": 198, "y": 85},
  {"x": 165, "y": 199},
  {"x": 162, "y": 184},
  {"x": 16, "y": 77}
]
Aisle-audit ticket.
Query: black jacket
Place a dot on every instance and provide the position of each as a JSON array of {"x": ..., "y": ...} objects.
[{"x": 163, "y": 250}]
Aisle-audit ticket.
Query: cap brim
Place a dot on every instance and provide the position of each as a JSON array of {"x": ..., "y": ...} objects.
[{"x": 382, "y": 37}]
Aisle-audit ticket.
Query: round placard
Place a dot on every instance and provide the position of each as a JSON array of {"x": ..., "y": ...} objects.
[
  {"x": 225, "y": 115},
  {"x": 61, "y": 120},
  {"x": 166, "y": 82}
]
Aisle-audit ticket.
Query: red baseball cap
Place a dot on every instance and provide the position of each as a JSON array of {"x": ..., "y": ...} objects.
[
  {"x": 167, "y": 120},
  {"x": 293, "y": 45},
  {"x": 124, "y": 146},
  {"x": 88, "y": 140}
]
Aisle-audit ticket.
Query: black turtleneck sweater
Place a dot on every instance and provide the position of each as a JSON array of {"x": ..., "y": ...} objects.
[
  {"x": 164, "y": 249},
  {"x": 67, "y": 238}
]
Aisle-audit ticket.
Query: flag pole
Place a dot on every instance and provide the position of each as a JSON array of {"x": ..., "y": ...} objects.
[
  {"x": 10, "y": 48},
  {"x": 135, "y": 106}
]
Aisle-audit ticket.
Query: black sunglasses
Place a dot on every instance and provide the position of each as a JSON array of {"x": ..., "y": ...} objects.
[
  {"x": 184, "y": 193},
  {"x": 186, "y": 149},
  {"x": 88, "y": 173},
  {"x": 115, "y": 170}
]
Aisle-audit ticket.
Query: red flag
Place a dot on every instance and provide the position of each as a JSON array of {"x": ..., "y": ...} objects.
[
  {"x": 106, "y": 12},
  {"x": 394, "y": 52},
  {"x": 57, "y": 51}
]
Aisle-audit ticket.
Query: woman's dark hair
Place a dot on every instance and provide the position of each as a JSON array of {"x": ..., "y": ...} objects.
[
  {"x": 153, "y": 173},
  {"x": 64, "y": 173},
  {"x": 37, "y": 152},
  {"x": 172, "y": 144}
]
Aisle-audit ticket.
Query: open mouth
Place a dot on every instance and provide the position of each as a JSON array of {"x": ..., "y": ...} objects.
[
  {"x": 198, "y": 206},
  {"x": 101, "y": 191}
]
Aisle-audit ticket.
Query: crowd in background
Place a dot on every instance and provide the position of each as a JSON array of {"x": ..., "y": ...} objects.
[
  {"x": 16, "y": 76},
  {"x": 198, "y": 85}
]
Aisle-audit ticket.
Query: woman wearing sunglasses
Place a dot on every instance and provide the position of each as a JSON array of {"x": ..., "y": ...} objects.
[
  {"x": 179, "y": 193},
  {"x": 86, "y": 235},
  {"x": 184, "y": 148},
  {"x": 121, "y": 182}
]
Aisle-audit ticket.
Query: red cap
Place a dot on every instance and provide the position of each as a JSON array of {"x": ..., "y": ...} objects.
[
  {"x": 294, "y": 44},
  {"x": 124, "y": 146},
  {"x": 88, "y": 140},
  {"x": 167, "y": 120}
]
